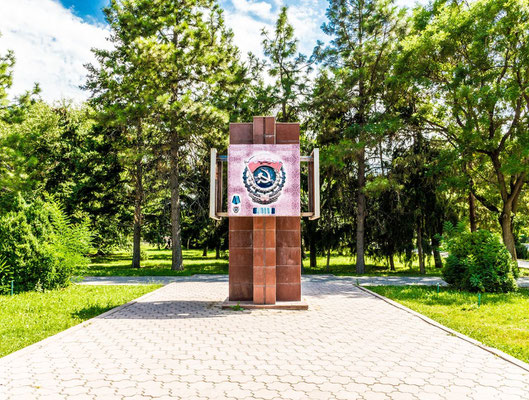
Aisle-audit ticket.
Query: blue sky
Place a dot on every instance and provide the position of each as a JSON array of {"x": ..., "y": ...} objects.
[
  {"x": 52, "y": 39},
  {"x": 254, "y": 13},
  {"x": 89, "y": 10}
]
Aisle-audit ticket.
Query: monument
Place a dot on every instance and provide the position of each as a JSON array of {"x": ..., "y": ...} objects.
[{"x": 262, "y": 199}]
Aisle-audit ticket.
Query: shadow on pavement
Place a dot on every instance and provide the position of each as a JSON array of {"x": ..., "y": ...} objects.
[{"x": 177, "y": 309}]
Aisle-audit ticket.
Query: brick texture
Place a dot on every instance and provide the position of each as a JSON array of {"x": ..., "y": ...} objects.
[
  {"x": 240, "y": 235},
  {"x": 265, "y": 252},
  {"x": 288, "y": 235},
  {"x": 177, "y": 343},
  {"x": 264, "y": 230}
]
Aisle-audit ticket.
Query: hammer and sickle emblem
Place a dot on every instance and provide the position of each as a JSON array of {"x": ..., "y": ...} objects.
[
  {"x": 263, "y": 177},
  {"x": 264, "y": 180}
]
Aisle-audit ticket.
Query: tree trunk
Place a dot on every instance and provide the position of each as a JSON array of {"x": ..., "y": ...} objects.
[
  {"x": 312, "y": 250},
  {"x": 188, "y": 240},
  {"x": 361, "y": 213},
  {"x": 391, "y": 262},
  {"x": 176, "y": 238},
  {"x": 284, "y": 110},
  {"x": 217, "y": 251},
  {"x": 437, "y": 257},
  {"x": 506, "y": 229},
  {"x": 472, "y": 212},
  {"x": 510, "y": 203},
  {"x": 303, "y": 255},
  {"x": 138, "y": 200},
  {"x": 205, "y": 251},
  {"x": 419, "y": 248},
  {"x": 328, "y": 259},
  {"x": 436, "y": 254}
]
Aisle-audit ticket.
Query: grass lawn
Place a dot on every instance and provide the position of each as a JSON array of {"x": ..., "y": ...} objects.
[
  {"x": 159, "y": 263},
  {"x": 502, "y": 320},
  {"x": 345, "y": 265},
  {"x": 26, "y": 318}
]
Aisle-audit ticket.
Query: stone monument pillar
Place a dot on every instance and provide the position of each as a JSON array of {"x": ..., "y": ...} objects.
[{"x": 263, "y": 201}]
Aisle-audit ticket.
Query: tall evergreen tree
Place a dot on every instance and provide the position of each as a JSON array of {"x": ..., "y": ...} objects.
[
  {"x": 181, "y": 54},
  {"x": 117, "y": 87},
  {"x": 287, "y": 67},
  {"x": 364, "y": 38}
]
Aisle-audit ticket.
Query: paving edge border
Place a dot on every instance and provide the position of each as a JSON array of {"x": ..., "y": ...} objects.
[
  {"x": 300, "y": 305},
  {"x": 496, "y": 352},
  {"x": 74, "y": 328}
]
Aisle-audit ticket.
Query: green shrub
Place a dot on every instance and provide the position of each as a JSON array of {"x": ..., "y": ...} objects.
[
  {"x": 6, "y": 275},
  {"x": 41, "y": 245},
  {"x": 478, "y": 261}
]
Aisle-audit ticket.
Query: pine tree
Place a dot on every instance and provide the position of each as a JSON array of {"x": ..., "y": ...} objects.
[
  {"x": 349, "y": 92},
  {"x": 119, "y": 97},
  {"x": 180, "y": 55},
  {"x": 287, "y": 67}
]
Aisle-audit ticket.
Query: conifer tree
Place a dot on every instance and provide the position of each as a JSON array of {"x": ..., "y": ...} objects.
[
  {"x": 287, "y": 66},
  {"x": 180, "y": 55},
  {"x": 349, "y": 93}
]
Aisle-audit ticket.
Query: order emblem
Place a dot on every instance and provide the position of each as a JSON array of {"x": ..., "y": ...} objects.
[{"x": 264, "y": 180}]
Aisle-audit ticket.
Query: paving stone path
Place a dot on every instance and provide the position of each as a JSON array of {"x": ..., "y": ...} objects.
[
  {"x": 362, "y": 280},
  {"x": 176, "y": 343}
]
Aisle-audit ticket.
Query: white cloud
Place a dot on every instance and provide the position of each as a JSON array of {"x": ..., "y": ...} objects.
[
  {"x": 247, "y": 32},
  {"x": 247, "y": 18},
  {"x": 307, "y": 17},
  {"x": 261, "y": 9},
  {"x": 410, "y": 3},
  {"x": 50, "y": 44}
]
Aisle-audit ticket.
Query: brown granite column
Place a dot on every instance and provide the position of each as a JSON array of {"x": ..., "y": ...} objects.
[
  {"x": 265, "y": 252},
  {"x": 288, "y": 235},
  {"x": 240, "y": 235},
  {"x": 264, "y": 230}
]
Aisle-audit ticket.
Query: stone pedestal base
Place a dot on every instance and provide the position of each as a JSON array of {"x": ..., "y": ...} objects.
[{"x": 279, "y": 305}]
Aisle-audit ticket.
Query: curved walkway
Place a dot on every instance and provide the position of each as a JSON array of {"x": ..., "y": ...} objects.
[
  {"x": 361, "y": 280},
  {"x": 177, "y": 342}
]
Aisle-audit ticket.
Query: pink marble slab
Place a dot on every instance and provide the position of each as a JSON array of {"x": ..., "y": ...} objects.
[{"x": 263, "y": 180}]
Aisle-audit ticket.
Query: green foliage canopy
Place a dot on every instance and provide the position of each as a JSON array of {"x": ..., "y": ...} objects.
[
  {"x": 469, "y": 62},
  {"x": 478, "y": 261}
]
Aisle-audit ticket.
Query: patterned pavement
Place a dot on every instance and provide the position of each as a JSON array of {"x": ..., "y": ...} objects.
[
  {"x": 361, "y": 280},
  {"x": 177, "y": 343}
]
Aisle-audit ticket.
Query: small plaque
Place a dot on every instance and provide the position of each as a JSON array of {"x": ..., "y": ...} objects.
[{"x": 263, "y": 180}]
